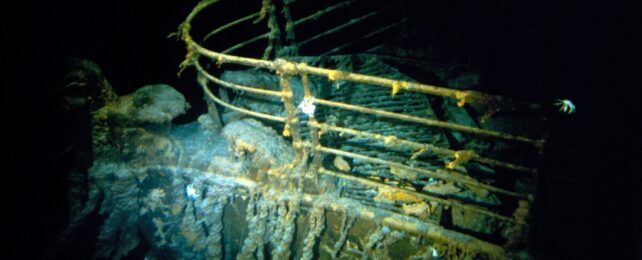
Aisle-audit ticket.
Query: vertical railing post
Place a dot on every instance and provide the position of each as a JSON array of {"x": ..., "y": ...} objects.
[
  {"x": 289, "y": 48},
  {"x": 314, "y": 132},
  {"x": 212, "y": 111},
  {"x": 292, "y": 120}
]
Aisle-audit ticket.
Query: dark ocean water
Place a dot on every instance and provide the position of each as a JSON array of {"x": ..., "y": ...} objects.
[{"x": 540, "y": 50}]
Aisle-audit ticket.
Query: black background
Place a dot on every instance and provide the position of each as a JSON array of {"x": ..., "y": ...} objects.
[{"x": 576, "y": 49}]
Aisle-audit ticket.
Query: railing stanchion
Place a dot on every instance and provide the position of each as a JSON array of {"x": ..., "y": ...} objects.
[
  {"x": 314, "y": 132},
  {"x": 212, "y": 111}
]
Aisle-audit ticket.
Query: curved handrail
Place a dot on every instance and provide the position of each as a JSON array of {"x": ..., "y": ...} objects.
[{"x": 287, "y": 69}]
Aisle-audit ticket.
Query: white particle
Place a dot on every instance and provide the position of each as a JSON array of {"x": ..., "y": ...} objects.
[{"x": 307, "y": 106}]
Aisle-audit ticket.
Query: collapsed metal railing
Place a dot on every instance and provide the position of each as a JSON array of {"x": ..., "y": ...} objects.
[{"x": 286, "y": 70}]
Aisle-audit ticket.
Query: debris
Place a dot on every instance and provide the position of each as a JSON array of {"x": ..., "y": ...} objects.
[{"x": 341, "y": 164}]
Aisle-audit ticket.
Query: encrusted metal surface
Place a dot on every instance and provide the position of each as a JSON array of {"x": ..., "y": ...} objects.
[{"x": 406, "y": 155}]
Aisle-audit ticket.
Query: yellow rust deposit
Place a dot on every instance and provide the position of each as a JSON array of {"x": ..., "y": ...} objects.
[
  {"x": 241, "y": 147},
  {"x": 389, "y": 140},
  {"x": 276, "y": 172},
  {"x": 284, "y": 67},
  {"x": 394, "y": 195},
  {"x": 286, "y": 130},
  {"x": 397, "y": 85},
  {"x": 416, "y": 154},
  {"x": 462, "y": 98},
  {"x": 219, "y": 61},
  {"x": 337, "y": 75},
  {"x": 461, "y": 157},
  {"x": 265, "y": 6}
]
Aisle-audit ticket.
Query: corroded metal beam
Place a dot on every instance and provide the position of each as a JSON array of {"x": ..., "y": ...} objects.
[
  {"x": 344, "y": 25},
  {"x": 395, "y": 220},
  {"x": 226, "y": 84},
  {"x": 327, "y": 10},
  {"x": 393, "y": 140},
  {"x": 314, "y": 132},
  {"x": 445, "y": 175},
  {"x": 232, "y": 24},
  {"x": 447, "y": 202},
  {"x": 296, "y": 68},
  {"x": 408, "y": 224},
  {"x": 427, "y": 121},
  {"x": 292, "y": 119},
  {"x": 266, "y": 35},
  {"x": 364, "y": 37},
  {"x": 210, "y": 95},
  {"x": 247, "y": 42}
]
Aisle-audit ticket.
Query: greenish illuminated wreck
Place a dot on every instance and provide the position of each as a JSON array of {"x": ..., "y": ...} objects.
[{"x": 302, "y": 157}]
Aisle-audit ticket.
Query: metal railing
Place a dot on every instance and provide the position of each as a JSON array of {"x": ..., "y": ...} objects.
[{"x": 286, "y": 70}]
